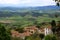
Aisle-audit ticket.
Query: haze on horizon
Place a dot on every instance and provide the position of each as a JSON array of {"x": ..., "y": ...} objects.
[{"x": 26, "y": 2}]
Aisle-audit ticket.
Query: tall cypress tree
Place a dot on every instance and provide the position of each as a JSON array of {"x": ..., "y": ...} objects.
[{"x": 53, "y": 24}]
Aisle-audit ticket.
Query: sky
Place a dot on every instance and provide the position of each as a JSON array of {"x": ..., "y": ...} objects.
[{"x": 26, "y": 2}]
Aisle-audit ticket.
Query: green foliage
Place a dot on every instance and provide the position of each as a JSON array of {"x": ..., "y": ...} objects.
[
  {"x": 25, "y": 18},
  {"x": 41, "y": 36},
  {"x": 53, "y": 24},
  {"x": 20, "y": 30},
  {"x": 16, "y": 38},
  {"x": 50, "y": 37},
  {"x": 37, "y": 24},
  {"x": 54, "y": 37},
  {"x": 58, "y": 2},
  {"x": 4, "y": 35},
  {"x": 33, "y": 38}
]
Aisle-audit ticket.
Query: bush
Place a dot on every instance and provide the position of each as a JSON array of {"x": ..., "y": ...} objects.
[
  {"x": 41, "y": 36},
  {"x": 49, "y": 37},
  {"x": 54, "y": 37}
]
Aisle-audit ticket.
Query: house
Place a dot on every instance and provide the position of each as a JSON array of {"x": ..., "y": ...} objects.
[
  {"x": 19, "y": 35},
  {"x": 45, "y": 30},
  {"x": 48, "y": 30},
  {"x": 28, "y": 31},
  {"x": 31, "y": 29}
]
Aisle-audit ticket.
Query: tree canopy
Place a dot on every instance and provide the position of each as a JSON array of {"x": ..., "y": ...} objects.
[
  {"x": 4, "y": 35},
  {"x": 57, "y": 2}
]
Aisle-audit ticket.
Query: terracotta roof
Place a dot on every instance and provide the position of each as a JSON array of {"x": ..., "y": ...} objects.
[
  {"x": 27, "y": 33},
  {"x": 17, "y": 34},
  {"x": 31, "y": 27}
]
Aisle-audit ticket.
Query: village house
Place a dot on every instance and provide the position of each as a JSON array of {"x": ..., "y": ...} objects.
[
  {"x": 28, "y": 31},
  {"x": 31, "y": 29},
  {"x": 19, "y": 35},
  {"x": 46, "y": 30}
]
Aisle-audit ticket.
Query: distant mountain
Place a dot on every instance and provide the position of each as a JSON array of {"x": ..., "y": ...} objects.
[
  {"x": 9, "y": 8},
  {"x": 47, "y": 8},
  {"x": 34, "y": 11},
  {"x": 31, "y": 8}
]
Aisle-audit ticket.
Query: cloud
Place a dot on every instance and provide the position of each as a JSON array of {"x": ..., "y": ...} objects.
[
  {"x": 27, "y": 2},
  {"x": 9, "y": 1}
]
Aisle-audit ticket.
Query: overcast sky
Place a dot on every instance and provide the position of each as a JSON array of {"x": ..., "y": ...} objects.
[{"x": 26, "y": 2}]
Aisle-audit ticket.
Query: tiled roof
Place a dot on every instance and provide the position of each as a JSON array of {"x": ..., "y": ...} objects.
[
  {"x": 17, "y": 34},
  {"x": 27, "y": 33}
]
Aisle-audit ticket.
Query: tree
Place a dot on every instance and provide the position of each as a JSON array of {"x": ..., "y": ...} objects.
[
  {"x": 26, "y": 37},
  {"x": 58, "y": 25},
  {"x": 58, "y": 4},
  {"x": 41, "y": 36},
  {"x": 57, "y": 0},
  {"x": 53, "y": 24},
  {"x": 20, "y": 30},
  {"x": 56, "y": 15},
  {"x": 33, "y": 38},
  {"x": 54, "y": 37},
  {"x": 16, "y": 38},
  {"x": 4, "y": 35},
  {"x": 38, "y": 25},
  {"x": 50, "y": 37}
]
